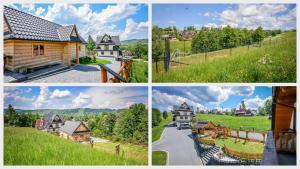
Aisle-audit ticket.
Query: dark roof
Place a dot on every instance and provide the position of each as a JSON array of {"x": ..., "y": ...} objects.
[
  {"x": 28, "y": 27},
  {"x": 183, "y": 107},
  {"x": 71, "y": 126},
  {"x": 48, "y": 118},
  {"x": 112, "y": 40}
]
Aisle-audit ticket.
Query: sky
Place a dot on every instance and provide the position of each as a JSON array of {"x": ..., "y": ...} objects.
[
  {"x": 61, "y": 97},
  {"x": 129, "y": 21},
  {"x": 210, "y": 97},
  {"x": 269, "y": 16}
]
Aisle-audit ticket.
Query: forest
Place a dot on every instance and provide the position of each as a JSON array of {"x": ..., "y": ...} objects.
[{"x": 128, "y": 125}]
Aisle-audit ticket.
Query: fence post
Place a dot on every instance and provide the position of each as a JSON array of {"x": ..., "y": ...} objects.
[
  {"x": 103, "y": 75},
  {"x": 117, "y": 148},
  {"x": 167, "y": 54}
]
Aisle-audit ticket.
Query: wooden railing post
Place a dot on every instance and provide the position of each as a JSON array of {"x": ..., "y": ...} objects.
[
  {"x": 103, "y": 75},
  {"x": 287, "y": 141}
]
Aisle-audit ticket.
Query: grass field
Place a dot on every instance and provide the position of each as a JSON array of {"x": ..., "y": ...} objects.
[
  {"x": 159, "y": 158},
  {"x": 129, "y": 151},
  {"x": 260, "y": 123},
  {"x": 240, "y": 145},
  {"x": 272, "y": 62},
  {"x": 157, "y": 130},
  {"x": 183, "y": 46},
  {"x": 98, "y": 60},
  {"x": 28, "y": 146},
  {"x": 139, "y": 72}
]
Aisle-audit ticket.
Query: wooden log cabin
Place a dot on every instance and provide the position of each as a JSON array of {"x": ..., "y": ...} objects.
[
  {"x": 75, "y": 130},
  {"x": 31, "y": 42},
  {"x": 280, "y": 147},
  {"x": 53, "y": 122}
]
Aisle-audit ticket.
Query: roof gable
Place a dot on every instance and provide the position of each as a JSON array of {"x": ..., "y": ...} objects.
[
  {"x": 107, "y": 39},
  {"x": 28, "y": 27},
  {"x": 71, "y": 127}
]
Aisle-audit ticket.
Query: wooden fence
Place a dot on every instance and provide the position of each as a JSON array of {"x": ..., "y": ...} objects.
[
  {"x": 121, "y": 76},
  {"x": 243, "y": 155}
]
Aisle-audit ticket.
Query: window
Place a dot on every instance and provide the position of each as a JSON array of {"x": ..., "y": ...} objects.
[
  {"x": 181, "y": 117},
  {"x": 79, "y": 48},
  {"x": 38, "y": 50},
  {"x": 111, "y": 53},
  {"x": 42, "y": 50},
  {"x": 186, "y": 117},
  {"x": 106, "y": 47},
  {"x": 35, "y": 50},
  {"x": 102, "y": 53}
]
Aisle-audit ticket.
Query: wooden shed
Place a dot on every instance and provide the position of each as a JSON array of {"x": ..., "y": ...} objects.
[
  {"x": 75, "y": 130},
  {"x": 31, "y": 42}
]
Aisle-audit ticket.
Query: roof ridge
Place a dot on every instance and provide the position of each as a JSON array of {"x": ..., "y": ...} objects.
[{"x": 31, "y": 15}]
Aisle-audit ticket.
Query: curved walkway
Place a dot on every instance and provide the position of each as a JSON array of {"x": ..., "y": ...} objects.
[{"x": 180, "y": 146}]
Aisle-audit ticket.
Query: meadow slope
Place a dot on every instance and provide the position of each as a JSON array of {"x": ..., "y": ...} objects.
[
  {"x": 274, "y": 61},
  {"x": 28, "y": 146}
]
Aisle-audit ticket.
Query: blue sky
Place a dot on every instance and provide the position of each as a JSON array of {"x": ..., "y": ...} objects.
[
  {"x": 210, "y": 97},
  {"x": 59, "y": 97},
  {"x": 130, "y": 21},
  {"x": 269, "y": 16}
]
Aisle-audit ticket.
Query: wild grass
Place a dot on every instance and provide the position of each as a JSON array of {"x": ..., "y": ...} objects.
[
  {"x": 259, "y": 123},
  {"x": 28, "y": 146},
  {"x": 98, "y": 60},
  {"x": 159, "y": 158},
  {"x": 274, "y": 61},
  {"x": 130, "y": 151},
  {"x": 139, "y": 72},
  {"x": 157, "y": 130},
  {"x": 240, "y": 145}
]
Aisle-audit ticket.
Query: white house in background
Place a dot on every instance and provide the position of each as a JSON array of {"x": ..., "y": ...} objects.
[
  {"x": 183, "y": 115},
  {"x": 108, "y": 46}
]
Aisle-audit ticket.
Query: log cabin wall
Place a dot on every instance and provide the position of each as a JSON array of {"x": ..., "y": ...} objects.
[{"x": 9, "y": 51}]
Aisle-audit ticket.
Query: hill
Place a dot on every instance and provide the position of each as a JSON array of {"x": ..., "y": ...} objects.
[
  {"x": 260, "y": 123},
  {"x": 134, "y": 41},
  {"x": 28, "y": 146},
  {"x": 274, "y": 61}
]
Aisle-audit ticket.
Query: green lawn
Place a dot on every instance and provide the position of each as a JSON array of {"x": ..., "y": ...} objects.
[
  {"x": 240, "y": 145},
  {"x": 98, "y": 60},
  {"x": 159, "y": 158},
  {"x": 139, "y": 72},
  {"x": 183, "y": 46},
  {"x": 272, "y": 62},
  {"x": 28, "y": 146},
  {"x": 260, "y": 123},
  {"x": 131, "y": 151},
  {"x": 157, "y": 130}
]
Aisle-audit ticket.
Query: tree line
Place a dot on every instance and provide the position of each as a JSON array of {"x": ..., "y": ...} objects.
[
  {"x": 130, "y": 125},
  {"x": 158, "y": 116},
  {"x": 12, "y": 118},
  {"x": 211, "y": 39}
]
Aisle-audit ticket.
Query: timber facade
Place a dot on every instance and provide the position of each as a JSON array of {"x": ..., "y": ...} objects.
[
  {"x": 32, "y": 42},
  {"x": 75, "y": 130}
]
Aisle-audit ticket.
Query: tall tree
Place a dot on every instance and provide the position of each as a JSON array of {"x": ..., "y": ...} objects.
[
  {"x": 156, "y": 117},
  {"x": 258, "y": 35},
  {"x": 165, "y": 114},
  {"x": 91, "y": 44},
  {"x": 12, "y": 116}
]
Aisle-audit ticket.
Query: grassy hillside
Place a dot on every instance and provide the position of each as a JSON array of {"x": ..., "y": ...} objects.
[
  {"x": 272, "y": 62},
  {"x": 181, "y": 45},
  {"x": 260, "y": 123},
  {"x": 157, "y": 130},
  {"x": 139, "y": 72},
  {"x": 159, "y": 158},
  {"x": 28, "y": 146}
]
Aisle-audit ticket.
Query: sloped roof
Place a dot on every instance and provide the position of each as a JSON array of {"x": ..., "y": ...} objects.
[
  {"x": 113, "y": 40},
  {"x": 71, "y": 126},
  {"x": 50, "y": 117},
  {"x": 28, "y": 27}
]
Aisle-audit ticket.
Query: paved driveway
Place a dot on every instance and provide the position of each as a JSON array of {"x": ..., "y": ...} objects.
[
  {"x": 180, "y": 145},
  {"x": 79, "y": 74}
]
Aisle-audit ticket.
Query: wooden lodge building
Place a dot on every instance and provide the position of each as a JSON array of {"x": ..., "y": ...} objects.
[
  {"x": 183, "y": 115},
  {"x": 31, "y": 42},
  {"x": 108, "y": 46},
  {"x": 53, "y": 122},
  {"x": 75, "y": 130}
]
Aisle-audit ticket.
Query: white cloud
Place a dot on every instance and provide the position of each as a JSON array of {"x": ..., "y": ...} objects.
[
  {"x": 164, "y": 101},
  {"x": 93, "y": 23},
  {"x": 256, "y": 102},
  {"x": 82, "y": 100},
  {"x": 60, "y": 93},
  {"x": 42, "y": 98},
  {"x": 143, "y": 25},
  {"x": 250, "y": 16},
  {"x": 206, "y": 14},
  {"x": 211, "y": 25},
  {"x": 39, "y": 11},
  {"x": 28, "y": 6},
  {"x": 172, "y": 22}
]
